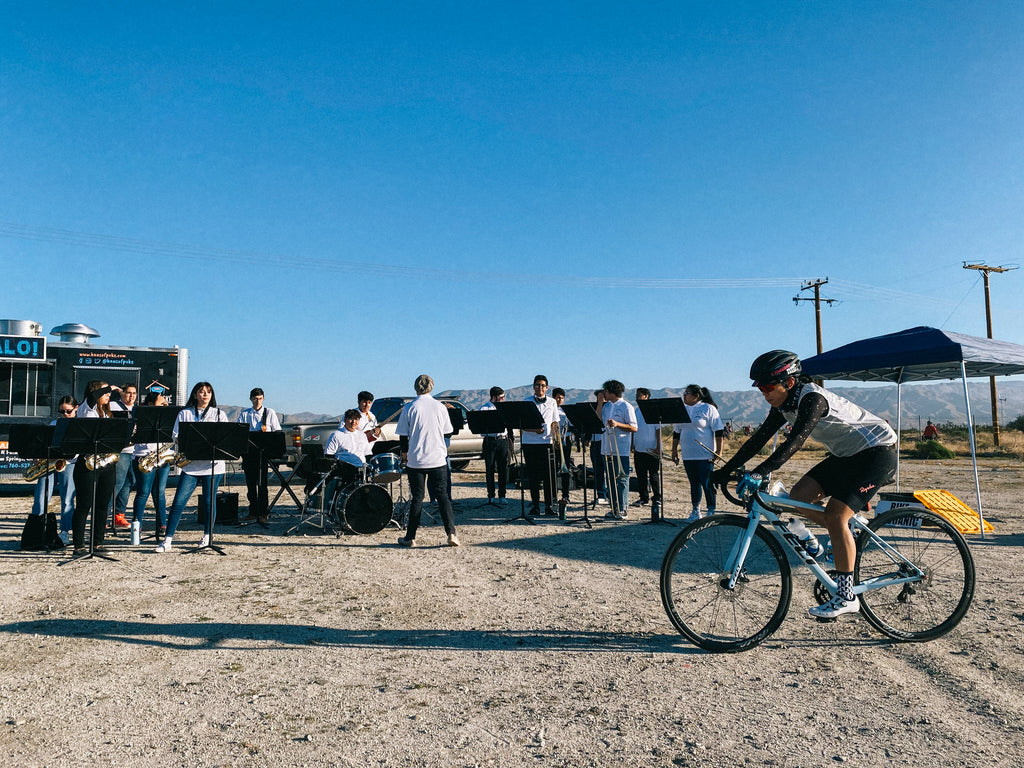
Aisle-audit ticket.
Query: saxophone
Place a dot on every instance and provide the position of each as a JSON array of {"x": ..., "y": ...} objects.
[
  {"x": 96, "y": 461},
  {"x": 166, "y": 455},
  {"x": 41, "y": 467}
]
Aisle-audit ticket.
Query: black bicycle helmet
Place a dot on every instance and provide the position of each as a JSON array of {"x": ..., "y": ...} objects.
[{"x": 775, "y": 366}]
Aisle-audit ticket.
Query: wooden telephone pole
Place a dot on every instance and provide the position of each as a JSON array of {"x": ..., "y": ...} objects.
[
  {"x": 985, "y": 270},
  {"x": 816, "y": 286}
]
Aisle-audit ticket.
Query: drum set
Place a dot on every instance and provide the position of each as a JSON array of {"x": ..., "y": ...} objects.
[{"x": 350, "y": 499}]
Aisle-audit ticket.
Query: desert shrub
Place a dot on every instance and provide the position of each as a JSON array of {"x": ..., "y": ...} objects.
[
  {"x": 1017, "y": 424},
  {"x": 932, "y": 449}
]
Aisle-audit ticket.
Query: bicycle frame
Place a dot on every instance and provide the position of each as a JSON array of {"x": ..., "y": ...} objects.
[{"x": 761, "y": 505}]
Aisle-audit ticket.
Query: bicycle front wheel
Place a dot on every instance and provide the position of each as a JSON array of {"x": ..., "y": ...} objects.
[
  {"x": 695, "y": 588},
  {"x": 924, "y": 609}
]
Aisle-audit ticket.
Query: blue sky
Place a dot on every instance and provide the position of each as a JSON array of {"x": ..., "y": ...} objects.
[{"x": 318, "y": 198}]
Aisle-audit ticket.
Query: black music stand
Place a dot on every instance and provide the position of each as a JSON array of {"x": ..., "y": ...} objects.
[
  {"x": 155, "y": 424},
  {"x": 521, "y": 414},
  {"x": 666, "y": 410},
  {"x": 212, "y": 441},
  {"x": 488, "y": 422},
  {"x": 587, "y": 422},
  {"x": 268, "y": 448},
  {"x": 92, "y": 436}
]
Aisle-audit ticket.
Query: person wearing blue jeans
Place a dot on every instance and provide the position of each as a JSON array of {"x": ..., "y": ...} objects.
[
  {"x": 63, "y": 482},
  {"x": 201, "y": 406}
]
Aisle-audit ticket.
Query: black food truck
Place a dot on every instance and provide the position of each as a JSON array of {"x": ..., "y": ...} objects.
[{"x": 35, "y": 374}]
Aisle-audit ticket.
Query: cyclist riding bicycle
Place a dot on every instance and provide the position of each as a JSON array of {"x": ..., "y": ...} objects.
[{"x": 862, "y": 458}]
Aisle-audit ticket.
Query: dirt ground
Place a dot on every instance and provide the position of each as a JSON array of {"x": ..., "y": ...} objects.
[{"x": 529, "y": 645}]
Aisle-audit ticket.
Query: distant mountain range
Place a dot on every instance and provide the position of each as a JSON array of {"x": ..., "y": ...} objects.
[{"x": 943, "y": 402}]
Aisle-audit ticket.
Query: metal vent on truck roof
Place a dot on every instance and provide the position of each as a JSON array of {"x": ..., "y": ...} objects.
[{"x": 75, "y": 332}]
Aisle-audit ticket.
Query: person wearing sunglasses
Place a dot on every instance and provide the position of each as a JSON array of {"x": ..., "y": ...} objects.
[
  {"x": 62, "y": 482},
  {"x": 862, "y": 458}
]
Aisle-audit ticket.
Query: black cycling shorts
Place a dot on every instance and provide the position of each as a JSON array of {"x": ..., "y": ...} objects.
[{"x": 853, "y": 480}]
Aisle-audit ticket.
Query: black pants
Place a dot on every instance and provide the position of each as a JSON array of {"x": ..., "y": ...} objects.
[
  {"x": 538, "y": 468},
  {"x": 647, "y": 472},
  {"x": 256, "y": 485},
  {"x": 93, "y": 491},
  {"x": 437, "y": 479},
  {"x": 496, "y": 465}
]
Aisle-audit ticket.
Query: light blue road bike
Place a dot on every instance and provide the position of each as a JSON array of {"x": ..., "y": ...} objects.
[{"x": 726, "y": 580}]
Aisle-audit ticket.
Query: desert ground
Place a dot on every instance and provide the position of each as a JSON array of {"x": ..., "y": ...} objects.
[{"x": 529, "y": 645}]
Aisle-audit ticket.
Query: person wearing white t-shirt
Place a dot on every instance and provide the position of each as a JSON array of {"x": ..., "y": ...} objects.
[
  {"x": 259, "y": 418},
  {"x": 201, "y": 407},
  {"x": 646, "y": 453},
  {"x": 536, "y": 447},
  {"x": 705, "y": 427},
  {"x": 421, "y": 429},
  {"x": 619, "y": 420}
]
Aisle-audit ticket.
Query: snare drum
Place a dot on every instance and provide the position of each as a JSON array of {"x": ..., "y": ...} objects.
[
  {"x": 362, "y": 508},
  {"x": 385, "y": 468}
]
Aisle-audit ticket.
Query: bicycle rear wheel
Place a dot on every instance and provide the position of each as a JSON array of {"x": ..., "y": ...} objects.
[
  {"x": 925, "y": 609},
  {"x": 695, "y": 585}
]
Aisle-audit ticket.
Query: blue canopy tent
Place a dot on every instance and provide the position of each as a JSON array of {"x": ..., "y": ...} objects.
[{"x": 921, "y": 354}]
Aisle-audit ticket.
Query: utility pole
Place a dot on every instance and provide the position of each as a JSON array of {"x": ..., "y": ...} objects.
[
  {"x": 816, "y": 285},
  {"x": 985, "y": 270}
]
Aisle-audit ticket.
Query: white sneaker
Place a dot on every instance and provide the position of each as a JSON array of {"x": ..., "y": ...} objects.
[
  {"x": 835, "y": 607},
  {"x": 694, "y": 516},
  {"x": 453, "y": 540},
  {"x": 601, "y": 502},
  {"x": 204, "y": 542},
  {"x": 164, "y": 546}
]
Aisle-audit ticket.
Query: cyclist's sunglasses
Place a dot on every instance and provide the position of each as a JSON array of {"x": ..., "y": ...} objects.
[{"x": 768, "y": 388}]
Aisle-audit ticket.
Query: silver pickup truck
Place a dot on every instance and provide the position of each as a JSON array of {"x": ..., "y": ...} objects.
[{"x": 310, "y": 439}]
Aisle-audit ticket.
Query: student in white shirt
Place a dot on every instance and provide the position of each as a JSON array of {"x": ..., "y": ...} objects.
[
  {"x": 620, "y": 423},
  {"x": 259, "y": 418},
  {"x": 421, "y": 429},
  {"x": 201, "y": 406}
]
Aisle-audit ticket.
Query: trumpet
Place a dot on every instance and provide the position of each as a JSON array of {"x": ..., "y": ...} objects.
[
  {"x": 41, "y": 467},
  {"x": 168, "y": 454},
  {"x": 96, "y": 461}
]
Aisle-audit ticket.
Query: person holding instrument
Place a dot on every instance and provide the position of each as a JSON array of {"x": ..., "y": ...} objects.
[
  {"x": 60, "y": 480},
  {"x": 620, "y": 423},
  {"x": 259, "y": 418},
  {"x": 536, "y": 446},
  {"x": 496, "y": 453},
  {"x": 94, "y": 475},
  {"x": 862, "y": 458},
  {"x": 201, "y": 407},
  {"x": 152, "y": 482}
]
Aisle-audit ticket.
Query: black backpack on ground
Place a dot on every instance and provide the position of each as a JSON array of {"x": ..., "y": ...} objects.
[{"x": 40, "y": 532}]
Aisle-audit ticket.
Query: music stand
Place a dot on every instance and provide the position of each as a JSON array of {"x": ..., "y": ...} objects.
[
  {"x": 212, "y": 441},
  {"x": 521, "y": 414},
  {"x": 666, "y": 410},
  {"x": 487, "y": 422},
  {"x": 587, "y": 422},
  {"x": 267, "y": 448},
  {"x": 155, "y": 424},
  {"x": 92, "y": 436}
]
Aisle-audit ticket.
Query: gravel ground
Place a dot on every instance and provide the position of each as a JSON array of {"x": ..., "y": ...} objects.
[{"x": 529, "y": 645}]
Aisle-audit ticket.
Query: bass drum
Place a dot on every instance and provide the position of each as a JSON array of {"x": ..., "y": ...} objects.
[{"x": 363, "y": 508}]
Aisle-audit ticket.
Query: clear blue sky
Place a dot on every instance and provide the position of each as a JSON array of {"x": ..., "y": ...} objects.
[{"x": 323, "y": 197}]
